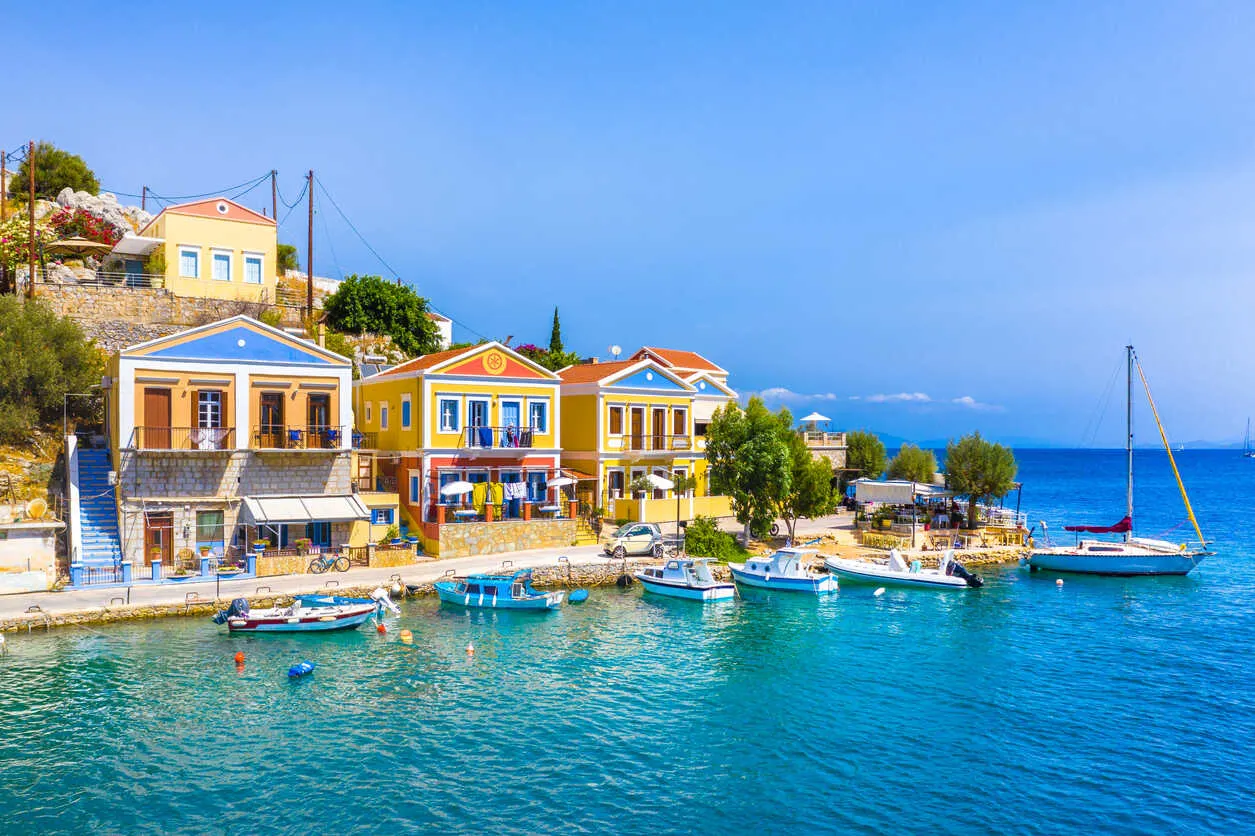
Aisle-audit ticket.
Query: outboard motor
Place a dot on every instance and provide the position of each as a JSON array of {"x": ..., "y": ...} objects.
[
  {"x": 238, "y": 609},
  {"x": 956, "y": 569}
]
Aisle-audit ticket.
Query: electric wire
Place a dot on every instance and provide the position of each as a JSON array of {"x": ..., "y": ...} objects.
[{"x": 356, "y": 232}]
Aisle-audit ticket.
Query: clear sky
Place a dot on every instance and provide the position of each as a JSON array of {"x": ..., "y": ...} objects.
[{"x": 920, "y": 218}]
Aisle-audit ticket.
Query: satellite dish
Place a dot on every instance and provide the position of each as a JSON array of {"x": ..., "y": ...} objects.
[{"x": 616, "y": 350}]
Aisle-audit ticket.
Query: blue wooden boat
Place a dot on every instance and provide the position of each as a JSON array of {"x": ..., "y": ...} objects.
[
  {"x": 306, "y": 614},
  {"x": 688, "y": 578},
  {"x": 783, "y": 571},
  {"x": 500, "y": 592}
]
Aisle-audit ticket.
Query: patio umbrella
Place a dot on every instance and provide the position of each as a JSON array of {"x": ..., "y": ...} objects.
[
  {"x": 659, "y": 482},
  {"x": 78, "y": 246},
  {"x": 456, "y": 488},
  {"x": 815, "y": 417},
  {"x": 560, "y": 482}
]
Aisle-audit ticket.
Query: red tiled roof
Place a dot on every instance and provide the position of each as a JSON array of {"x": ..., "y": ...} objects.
[
  {"x": 679, "y": 359},
  {"x": 425, "y": 362},
  {"x": 592, "y": 372}
]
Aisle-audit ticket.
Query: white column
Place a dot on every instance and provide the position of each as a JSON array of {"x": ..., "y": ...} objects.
[{"x": 243, "y": 395}]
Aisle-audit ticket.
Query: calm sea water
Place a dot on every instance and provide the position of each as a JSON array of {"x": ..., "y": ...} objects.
[{"x": 1108, "y": 705}]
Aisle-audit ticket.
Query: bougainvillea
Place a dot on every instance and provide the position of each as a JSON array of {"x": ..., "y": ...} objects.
[{"x": 77, "y": 223}]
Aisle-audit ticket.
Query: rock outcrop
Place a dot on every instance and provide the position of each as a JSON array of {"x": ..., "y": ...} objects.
[{"x": 127, "y": 220}]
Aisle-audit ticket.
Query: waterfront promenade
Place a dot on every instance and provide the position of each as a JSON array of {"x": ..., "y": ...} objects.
[{"x": 13, "y": 608}]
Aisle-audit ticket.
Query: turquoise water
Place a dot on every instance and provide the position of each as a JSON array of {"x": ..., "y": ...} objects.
[{"x": 1104, "y": 705}]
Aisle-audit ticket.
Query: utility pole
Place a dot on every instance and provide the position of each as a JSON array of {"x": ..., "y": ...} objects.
[
  {"x": 309, "y": 253},
  {"x": 274, "y": 194},
  {"x": 30, "y": 167},
  {"x": 143, "y": 199}
]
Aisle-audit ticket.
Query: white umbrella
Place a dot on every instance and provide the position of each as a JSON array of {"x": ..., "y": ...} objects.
[
  {"x": 560, "y": 482},
  {"x": 456, "y": 488},
  {"x": 815, "y": 417},
  {"x": 659, "y": 482}
]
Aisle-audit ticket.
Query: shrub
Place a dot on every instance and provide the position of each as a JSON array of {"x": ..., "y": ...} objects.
[
  {"x": 370, "y": 305},
  {"x": 272, "y": 317},
  {"x": 704, "y": 538}
]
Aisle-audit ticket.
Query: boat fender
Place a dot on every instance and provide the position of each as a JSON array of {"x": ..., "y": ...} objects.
[
  {"x": 407, "y": 637},
  {"x": 301, "y": 669},
  {"x": 879, "y": 591},
  {"x": 1059, "y": 582}
]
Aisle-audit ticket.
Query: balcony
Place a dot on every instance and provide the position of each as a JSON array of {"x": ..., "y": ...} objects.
[
  {"x": 375, "y": 484},
  {"x": 497, "y": 438},
  {"x": 652, "y": 443},
  {"x": 365, "y": 441},
  {"x": 823, "y": 440},
  {"x": 191, "y": 439},
  {"x": 282, "y": 437}
]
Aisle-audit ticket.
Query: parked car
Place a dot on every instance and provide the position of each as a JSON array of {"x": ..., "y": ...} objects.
[{"x": 635, "y": 538}]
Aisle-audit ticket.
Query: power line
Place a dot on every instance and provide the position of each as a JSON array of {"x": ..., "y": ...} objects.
[
  {"x": 247, "y": 184},
  {"x": 292, "y": 206},
  {"x": 361, "y": 237},
  {"x": 331, "y": 246}
]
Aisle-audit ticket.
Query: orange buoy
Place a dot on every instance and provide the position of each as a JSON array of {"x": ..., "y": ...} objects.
[
  {"x": 239, "y": 657},
  {"x": 380, "y": 628},
  {"x": 470, "y": 649},
  {"x": 407, "y": 637}
]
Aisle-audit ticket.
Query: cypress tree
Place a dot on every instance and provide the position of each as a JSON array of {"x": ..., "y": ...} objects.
[{"x": 555, "y": 338}]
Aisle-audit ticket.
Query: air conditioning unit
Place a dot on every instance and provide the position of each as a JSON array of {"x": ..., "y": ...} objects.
[{"x": 113, "y": 477}]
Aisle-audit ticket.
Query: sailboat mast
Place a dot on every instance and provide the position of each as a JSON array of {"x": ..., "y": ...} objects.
[{"x": 1129, "y": 440}]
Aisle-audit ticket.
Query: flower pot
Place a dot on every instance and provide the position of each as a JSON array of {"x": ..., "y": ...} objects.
[{"x": 396, "y": 541}]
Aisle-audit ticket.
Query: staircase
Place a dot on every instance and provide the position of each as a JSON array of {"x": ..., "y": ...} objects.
[
  {"x": 97, "y": 511},
  {"x": 584, "y": 534}
]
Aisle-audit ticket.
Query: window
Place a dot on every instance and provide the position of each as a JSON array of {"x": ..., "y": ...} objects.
[
  {"x": 189, "y": 263},
  {"x": 406, "y": 412},
  {"x": 383, "y": 416},
  {"x": 614, "y": 481},
  {"x": 538, "y": 416},
  {"x": 209, "y": 531},
  {"x": 319, "y": 533},
  {"x": 699, "y": 428},
  {"x": 449, "y": 415},
  {"x": 252, "y": 269},
  {"x": 413, "y": 490},
  {"x": 679, "y": 421},
  {"x": 209, "y": 409},
  {"x": 382, "y": 516},
  {"x": 222, "y": 266},
  {"x": 370, "y": 412},
  {"x": 616, "y": 420},
  {"x": 536, "y": 491}
]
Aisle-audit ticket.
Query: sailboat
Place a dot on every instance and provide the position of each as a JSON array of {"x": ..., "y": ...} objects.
[
  {"x": 1246, "y": 444},
  {"x": 1132, "y": 555}
]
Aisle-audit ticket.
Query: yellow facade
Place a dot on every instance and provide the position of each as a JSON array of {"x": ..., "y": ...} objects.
[{"x": 230, "y": 255}]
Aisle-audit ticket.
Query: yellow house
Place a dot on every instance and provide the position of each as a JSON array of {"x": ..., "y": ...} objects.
[
  {"x": 708, "y": 379},
  {"x": 625, "y": 420},
  {"x": 212, "y": 248},
  {"x": 221, "y": 437},
  {"x": 484, "y": 416}
]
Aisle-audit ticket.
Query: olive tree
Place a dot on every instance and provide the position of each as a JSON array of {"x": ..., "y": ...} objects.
[
  {"x": 979, "y": 470},
  {"x": 913, "y": 464}
]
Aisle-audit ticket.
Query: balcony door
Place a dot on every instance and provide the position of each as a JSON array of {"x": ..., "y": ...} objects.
[
  {"x": 318, "y": 420},
  {"x": 480, "y": 432},
  {"x": 659, "y": 430},
  {"x": 156, "y": 419},
  {"x": 637, "y": 437},
  {"x": 209, "y": 409},
  {"x": 272, "y": 427}
]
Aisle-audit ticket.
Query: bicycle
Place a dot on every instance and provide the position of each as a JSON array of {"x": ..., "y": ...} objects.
[{"x": 321, "y": 563}]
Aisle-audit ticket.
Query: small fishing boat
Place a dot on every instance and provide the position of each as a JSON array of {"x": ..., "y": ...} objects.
[
  {"x": 501, "y": 592},
  {"x": 688, "y": 578},
  {"x": 783, "y": 571},
  {"x": 950, "y": 574},
  {"x": 1131, "y": 555},
  {"x": 306, "y": 614}
]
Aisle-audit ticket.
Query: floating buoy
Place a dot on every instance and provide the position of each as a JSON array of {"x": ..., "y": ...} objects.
[
  {"x": 578, "y": 596},
  {"x": 302, "y": 669},
  {"x": 381, "y": 628},
  {"x": 407, "y": 637},
  {"x": 879, "y": 591},
  {"x": 239, "y": 657},
  {"x": 470, "y": 649},
  {"x": 1059, "y": 582},
  {"x": 396, "y": 589}
]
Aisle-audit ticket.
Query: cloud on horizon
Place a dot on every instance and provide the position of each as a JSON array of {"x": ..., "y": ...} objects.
[{"x": 783, "y": 396}]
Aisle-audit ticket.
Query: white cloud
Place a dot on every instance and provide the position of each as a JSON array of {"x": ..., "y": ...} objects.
[
  {"x": 779, "y": 394},
  {"x": 900, "y": 397},
  {"x": 971, "y": 403}
]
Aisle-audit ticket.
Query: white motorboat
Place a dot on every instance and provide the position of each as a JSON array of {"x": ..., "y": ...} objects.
[
  {"x": 1132, "y": 555},
  {"x": 950, "y": 574},
  {"x": 783, "y": 571},
  {"x": 688, "y": 578}
]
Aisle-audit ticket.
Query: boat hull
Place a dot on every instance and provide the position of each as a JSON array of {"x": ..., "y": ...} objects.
[
  {"x": 818, "y": 585},
  {"x": 707, "y": 593},
  {"x": 860, "y": 572},
  {"x": 1119, "y": 565},
  {"x": 303, "y": 622},
  {"x": 449, "y": 594}
]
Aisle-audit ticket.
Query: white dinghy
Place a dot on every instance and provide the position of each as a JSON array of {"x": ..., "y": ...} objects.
[{"x": 949, "y": 575}]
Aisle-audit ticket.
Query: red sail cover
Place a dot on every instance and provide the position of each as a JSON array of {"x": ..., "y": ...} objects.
[{"x": 1121, "y": 527}]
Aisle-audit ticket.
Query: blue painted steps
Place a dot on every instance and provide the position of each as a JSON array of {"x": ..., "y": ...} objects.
[{"x": 98, "y": 512}]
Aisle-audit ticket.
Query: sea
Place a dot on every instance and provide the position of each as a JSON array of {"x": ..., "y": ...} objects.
[{"x": 1104, "y": 705}]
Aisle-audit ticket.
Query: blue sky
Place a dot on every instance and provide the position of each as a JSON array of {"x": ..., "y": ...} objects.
[{"x": 917, "y": 218}]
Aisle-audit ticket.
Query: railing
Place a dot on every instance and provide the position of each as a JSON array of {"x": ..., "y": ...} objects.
[
  {"x": 101, "y": 574},
  {"x": 105, "y": 278},
  {"x": 823, "y": 439},
  {"x": 375, "y": 484},
  {"x": 497, "y": 438},
  {"x": 280, "y": 437},
  {"x": 651, "y": 443},
  {"x": 358, "y": 555},
  {"x": 183, "y": 438},
  {"x": 1003, "y": 518},
  {"x": 365, "y": 441}
]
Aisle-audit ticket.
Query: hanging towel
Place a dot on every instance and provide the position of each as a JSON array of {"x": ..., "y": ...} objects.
[
  {"x": 515, "y": 490},
  {"x": 485, "y": 436},
  {"x": 525, "y": 438},
  {"x": 497, "y": 493},
  {"x": 478, "y": 494}
]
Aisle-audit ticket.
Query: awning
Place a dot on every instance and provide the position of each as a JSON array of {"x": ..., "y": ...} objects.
[
  {"x": 895, "y": 491},
  {"x": 268, "y": 510},
  {"x": 579, "y": 476},
  {"x": 136, "y": 245}
]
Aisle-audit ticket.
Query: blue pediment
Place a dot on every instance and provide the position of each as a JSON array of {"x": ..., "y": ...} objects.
[
  {"x": 649, "y": 379},
  {"x": 242, "y": 344}
]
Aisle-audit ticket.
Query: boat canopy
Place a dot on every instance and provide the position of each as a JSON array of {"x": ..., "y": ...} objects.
[{"x": 1125, "y": 525}]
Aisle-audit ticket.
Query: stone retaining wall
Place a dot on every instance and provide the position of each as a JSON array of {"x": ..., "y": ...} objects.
[
  {"x": 384, "y": 558},
  {"x": 466, "y": 539}
]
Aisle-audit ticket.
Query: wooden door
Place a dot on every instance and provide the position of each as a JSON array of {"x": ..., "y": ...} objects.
[
  {"x": 318, "y": 413},
  {"x": 156, "y": 433},
  {"x": 159, "y": 537},
  {"x": 659, "y": 430},
  {"x": 272, "y": 431},
  {"x": 638, "y": 428}
]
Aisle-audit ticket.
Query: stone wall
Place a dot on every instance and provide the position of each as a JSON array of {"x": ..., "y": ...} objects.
[
  {"x": 117, "y": 316},
  {"x": 285, "y": 564},
  {"x": 385, "y": 558},
  {"x": 465, "y": 539}
]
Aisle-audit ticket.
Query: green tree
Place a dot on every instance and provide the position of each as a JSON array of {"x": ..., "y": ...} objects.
[
  {"x": 749, "y": 462},
  {"x": 555, "y": 335},
  {"x": 286, "y": 258},
  {"x": 913, "y": 464},
  {"x": 371, "y": 305},
  {"x": 810, "y": 491},
  {"x": 864, "y": 455},
  {"x": 979, "y": 470},
  {"x": 46, "y": 356},
  {"x": 54, "y": 170}
]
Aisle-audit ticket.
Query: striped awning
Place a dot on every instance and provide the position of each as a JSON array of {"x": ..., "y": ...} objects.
[{"x": 271, "y": 510}]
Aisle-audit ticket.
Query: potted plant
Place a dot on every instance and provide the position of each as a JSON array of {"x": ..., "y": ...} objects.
[
  {"x": 154, "y": 554},
  {"x": 260, "y": 546},
  {"x": 392, "y": 536},
  {"x": 303, "y": 544},
  {"x": 640, "y": 487},
  {"x": 204, "y": 551}
]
